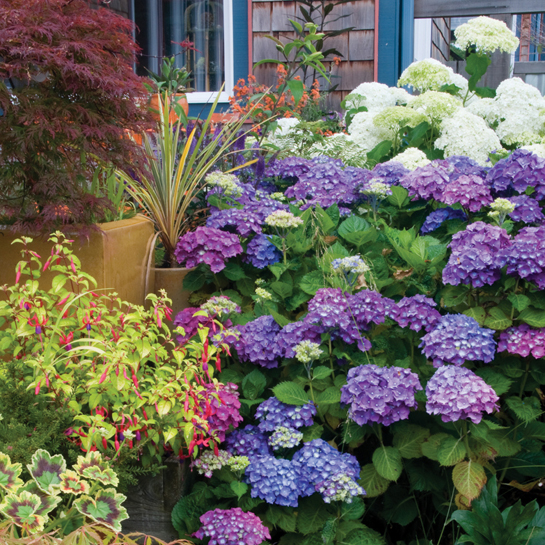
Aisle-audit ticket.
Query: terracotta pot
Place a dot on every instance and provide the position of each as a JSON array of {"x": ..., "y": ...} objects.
[
  {"x": 181, "y": 99},
  {"x": 116, "y": 257},
  {"x": 171, "y": 280}
]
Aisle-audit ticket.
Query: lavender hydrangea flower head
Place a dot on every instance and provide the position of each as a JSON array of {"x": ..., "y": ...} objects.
[
  {"x": 232, "y": 527},
  {"x": 456, "y": 339},
  {"x": 390, "y": 172},
  {"x": 436, "y": 218},
  {"x": 190, "y": 323},
  {"x": 220, "y": 305},
  {"x": 208, "y": 462},
  {"x": 465, "y": 166},
  {"x": 380, "y": 394},
  {"x": 248, "y": 441},
  {"x": 238, "y": 220},
  {"x": 416, "y": 312},
  {"x": 293, "y": 334},
  {"x": 291, "y": 168},
  {"x": 478, "y": 254},
  {"x": 283, "y": 437},
  {"x": 261, "y": 252},
  {"x": 273, "y": 414},
  {"x": 526, "y": 257},
  {"x": 339, "y": 487},
  {"x": 277, "y": 481},
  {"x": 526, "y": 210},
  {"x": 523, "y": 340},
  {"x": 224, "y": 408},
  {"x": 320, "y": 461},
  {"x": 470, "y": 191},
  {"x": 257, "y": 342},
  {"x": 427, "y": 182},
  {"x": 207, "y": 245},
  {"x": 368, "y": 306},
  {"x": 457, "y": 393}
]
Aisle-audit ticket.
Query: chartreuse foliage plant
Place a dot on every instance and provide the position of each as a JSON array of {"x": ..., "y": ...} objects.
[
  {"x": 388, "y": 348},
  {"x": 112, "y": 370}
]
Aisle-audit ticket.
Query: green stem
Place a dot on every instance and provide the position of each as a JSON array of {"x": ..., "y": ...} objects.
[
  {"x": 378, "y": 431},
  {"x": 466, "y": 438},
  {"x": 284, "y": 251},
  {"x": 523, "y": 385}
]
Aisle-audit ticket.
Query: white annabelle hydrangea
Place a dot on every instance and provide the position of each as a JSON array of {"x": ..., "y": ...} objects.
[
  {"x": 538, "y": 149},
  {"x": 402, "y": 97},
  {"x": 483, "y": 107},
  {"x": 283, "y": 220},
  {"x": 436, "y": 105},
  {"x": 374, "y": 96},
  {"x": 365, "y": 133},
  {"x": 486, "y": 35},
  {"x": 285, "y": 125},
  {"x": 339, "y": 146},
  {"x": 263, "y": 294},
  {"x": 394, "y": 118},
  {"x": 500, "y": 209},
  {"x": 228, "y": 182},
  {"x": 431, "y": 75},
  {"x": 467, "y": 134},
  {"x": 307, "y": 351},
  {"x": 412, "y": 158}
]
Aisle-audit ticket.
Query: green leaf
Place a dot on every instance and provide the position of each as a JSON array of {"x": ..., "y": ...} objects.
[
  {"x": 379, "y": 152},
  {"x": 476, "y": 67},
  {"x": 282, "y": 288},
  {"x": 399, "y": 196},
  {"x": 321, "y": 372},
  {"x": 253, "y": 384},
  {"x": 312, "y": 514},
  {"x": 105, "y": 508},
  {"x": 453, "y": 296},
  {"x": 451, "y": 451},
  {"x": 328, "y": 396},
  {"x": 239, "y": 488},
  {"x": 246, "y": 286},
  {"x": 354, "y": 510},
  {"x": 497, "y": 319},
  {"x": 533, "y": 317},
  {"x": 360, "y": 238},
  {"x": 408, "y": 440},
  {"x": 387, "y": 461},
  {"x": 469, "y": 479},
  {"x": 312, "y": 282},
  {"x": 363, "y": 536},
  {"x": 519, "y": 301},
  {"x": 296, "y": 86},
  {"x": 46, "y": 470},
  {"x": 290, "y": 393},
  {"x": 477, "y": 313},
  {"x": 312, "y": 432},
  {"x": 500, "y": 383},
  {"x": 326, "y": 223},
  {"x": 353, "y": 224},
  {"x": 329, "y": 531},
  {"x": 279, "y": 319},
  {"x": 194, "y": 280},
  {"x": 233, "y": 271},
  {"x": 527, "y": 409},
  {"x": 373, "y": 484},
  {"x": 283, "y": 517}
]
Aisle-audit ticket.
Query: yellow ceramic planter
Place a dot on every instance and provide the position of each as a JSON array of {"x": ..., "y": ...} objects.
[
  {"x": 171, "y": 280},
  {"x": 116, "y": 256}
]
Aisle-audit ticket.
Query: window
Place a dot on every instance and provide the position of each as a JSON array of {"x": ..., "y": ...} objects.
[{"x": 164, "y": 24}]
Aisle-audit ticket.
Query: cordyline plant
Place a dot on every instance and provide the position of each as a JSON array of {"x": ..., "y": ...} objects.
[
  {"x": 133, "y": 392},
  {"x": 68, "y": 96}
]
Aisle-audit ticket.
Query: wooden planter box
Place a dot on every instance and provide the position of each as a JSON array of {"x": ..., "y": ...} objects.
[{"x": 116, "y": 257}]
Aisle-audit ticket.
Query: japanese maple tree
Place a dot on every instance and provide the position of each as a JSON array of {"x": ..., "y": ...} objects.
[{"x": 68, "y": 96}]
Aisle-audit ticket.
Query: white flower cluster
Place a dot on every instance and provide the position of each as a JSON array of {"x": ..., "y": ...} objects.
[
  {"x": 283, "y": 220},
  {"x": 238, "y": 463},
  {"x": 487, "y": 35},
  {"x": 219, "y": 305},
  {"x": 376, "y": 189},
  {"x": 365, "y": 133},
  {"x": 353, "y": 264},
  {"x": 538, "y": 149},
  {"x": 500, "y": 209},
  {"x": 376, "y": 97},
  {"x": 227, "y": 182},
  {"x": 283, "y": 437},
  {"x": 412, "y": 158},
  {"x": 263, "y": 294},
  {"x": 339, "y": 487},
  {"x": 435, "y": 105},
  {"x": 307, "y": 351},
  {"x": 278, "y": 196},
  {"x": 395, "y": 118},
  {"x": 431, "y": 75},
  {"x": 467, "y": 134},
  {"x": 209, "y": 462}
]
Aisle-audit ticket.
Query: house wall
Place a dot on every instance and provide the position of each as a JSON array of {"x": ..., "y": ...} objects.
[
  {"x": 440, "y": 39},
  {"x": 357, "y": 47},
  {"x": 120, "y": 6}
]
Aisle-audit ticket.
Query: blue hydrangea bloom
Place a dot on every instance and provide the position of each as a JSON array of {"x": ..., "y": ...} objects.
[
  {"x": 436, "y": 218},
  {"x": 527, "y": 210},
  {"x": 457, "y": 338},
  {"x": 247, "y": 441},
  {"x": 390, "y": 172},
  {"x": 273, "y": 413},
  {"x": 257, "y": 342},
  {"x": 416, "y": 312},
  {"x": 261, "y": 252},
  {"x": 294, "y": 333},
  {"x": 291, "y": 168},
  {"x": 238, "y": 220},
  {"x": 526, "y": 257}
]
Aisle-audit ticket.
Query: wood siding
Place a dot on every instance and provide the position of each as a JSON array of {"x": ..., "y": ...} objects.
[
  {"x": 424, "y": 9},
  {"x": 440, "y": 39},
  {"x": 270, "y": 17}
]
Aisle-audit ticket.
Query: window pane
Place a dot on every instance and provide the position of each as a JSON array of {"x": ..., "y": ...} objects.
[
  {"x": 147, "y": 16},
  {"x": 199, "y": 22}
]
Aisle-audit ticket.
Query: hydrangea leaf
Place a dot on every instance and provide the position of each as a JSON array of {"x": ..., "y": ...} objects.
[
  {"x": 469, "y": 478},
  {"x": 47, "y": 502},
  {"x": 291, "y": 393},
  {"x": 105, "y": 476},
  {"x": 312, "y": 515},
  {"x": 22, "y": 509},
  {"x": 354, "y": 510},
  {"x": 71, "y": 483},
  {"x": 9, "y": 473},
  {"x": 497, "y": 319},
  {"x": 91, "y": 459},
  {"x": 500, "y": 383},
  {"x": 533, "y": 317},
  {"x": 373, "y": 483},
  {"x": 451, "y": 451},
  {"x": 46, "y": 470},
  {"x": 527, "y": 409},
  {"x": 105, "y": 508},
  {"x": 387, "y": 461},
  {"x": 408, "y": 440}
]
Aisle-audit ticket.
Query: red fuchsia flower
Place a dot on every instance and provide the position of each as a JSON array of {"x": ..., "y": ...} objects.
[
  {"x": 65, "y": 340},
  {"x": 38, "y": 323}
]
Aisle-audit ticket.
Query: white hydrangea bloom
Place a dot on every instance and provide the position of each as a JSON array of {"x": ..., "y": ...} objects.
[
  {"x": 402, "y": 97},
  {"x": 431, "y": 75},
  {"x": 467, "y": 134},
  {"x": 486, "y": 35},
  {"x": 538, "y": 149},
  {"x": 285, "y": 125},
  {"x": 374, "y": 96},
  {"x": 483, "y": 107},
  {"x": 365, "y": 133},
  {"x": 394, "y": 118},
  {"x": 436, "y": 105},
  {"x": 283, "y": 220},
  {"x": 412, "y": 158}
]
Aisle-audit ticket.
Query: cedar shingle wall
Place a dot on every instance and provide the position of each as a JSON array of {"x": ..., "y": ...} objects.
[
  {"x": 440, "y": 39},
  {"x": 270, "y": 17}
]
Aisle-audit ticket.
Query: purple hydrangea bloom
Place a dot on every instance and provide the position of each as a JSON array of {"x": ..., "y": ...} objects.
[
  {"x": 390, "y": 172},
  {"x": 294, "y": 333},
  {"x": 427, "y": 182},
  {"x": 522, "y": 169},
  {"x": 436, "y": 218},
  {"x": 457, "y": 393},
  {"x": 190, "y": 323},
  {"x": 380, "y": 394},
  {"x": 257, "y": 342},
  {"x": 526, "y": 257},
  {"x": 289, "y": 168},
  {"x": 261, "y": 252},
  {"x": 470, "y": 191},
  {"x": 232, "y": 527},
  {"x": 527, "y": 210},
  {"x": 523, "y": 340},
  {"x": 457, "y": 338},
  {"x": 277, "y": 481},
  {"x": 264, "y": 208},
  {"x": 320, "y": 461},
  {"x": 416, "y": 312},
  {"x": 273, "y": 413},
  {"x": 207, "y": 245},
  {"x": 465, "y": 166},
  {"x": 240, "y": 220},
  {"x": 247, "y": 441},
  {"x": 478, "y": 254},
  {"x": 224, "y": 408},
  {"x": 368, "y": 306}
]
